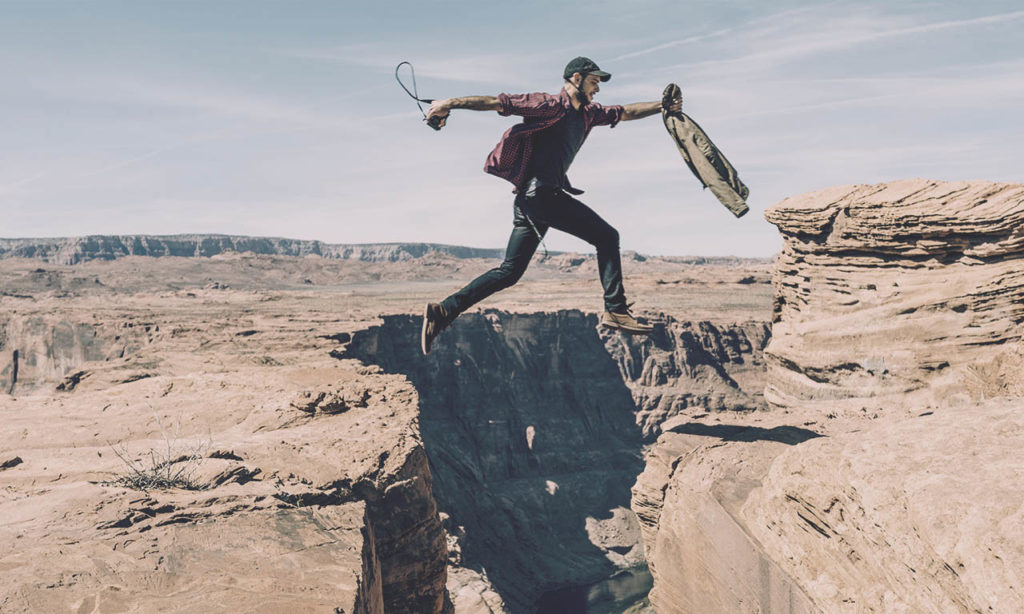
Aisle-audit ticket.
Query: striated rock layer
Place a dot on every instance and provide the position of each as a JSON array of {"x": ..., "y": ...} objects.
[
  {"x": 886, "y": 478},
  {"x": 911, "y": 514},
  {"x": 893, "y": 288}
]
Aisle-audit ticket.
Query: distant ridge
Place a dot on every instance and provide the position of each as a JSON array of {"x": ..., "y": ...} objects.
[{"x": 73, "y": 250}]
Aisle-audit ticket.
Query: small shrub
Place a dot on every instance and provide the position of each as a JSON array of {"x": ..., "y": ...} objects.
[{"x": 171, "y": 466}]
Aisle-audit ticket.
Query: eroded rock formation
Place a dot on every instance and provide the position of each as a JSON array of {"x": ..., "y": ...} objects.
[
  {"x": 880, "y": 481},
  {"x": 317, "y": 468},
  {"x": 529, "y": 452},
  {"x": 39, "y": 349},
  {"x": 893, "y": 289},
  {"x": 536, "y": 428}
]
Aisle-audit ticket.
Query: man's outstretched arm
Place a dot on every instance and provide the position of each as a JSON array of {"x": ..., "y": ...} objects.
[
  {"x": 639, "y": 110},
  {"x": 441, "y": 108}
]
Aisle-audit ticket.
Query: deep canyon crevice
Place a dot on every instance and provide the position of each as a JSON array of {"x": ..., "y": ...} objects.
[{"x": 537, "y": 425}]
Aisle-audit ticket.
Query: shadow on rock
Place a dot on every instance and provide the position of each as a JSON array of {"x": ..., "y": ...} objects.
[
  {"x": 533, "y": 444},
  {"x": 790, "y": 435}
]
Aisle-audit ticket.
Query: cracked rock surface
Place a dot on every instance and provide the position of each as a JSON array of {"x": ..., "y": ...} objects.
[{"x": 884, "y": 474}]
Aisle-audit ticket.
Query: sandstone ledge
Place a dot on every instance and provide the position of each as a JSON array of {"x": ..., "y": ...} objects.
[
  {"x": 313, "y": 508},
  {"x": 893, "y": 289}
]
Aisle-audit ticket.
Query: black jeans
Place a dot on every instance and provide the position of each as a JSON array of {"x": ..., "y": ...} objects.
[{"x": 547, "y": 207}]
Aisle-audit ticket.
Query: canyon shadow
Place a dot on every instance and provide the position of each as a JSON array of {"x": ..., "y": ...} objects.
[{"x": 533, "y": 445}]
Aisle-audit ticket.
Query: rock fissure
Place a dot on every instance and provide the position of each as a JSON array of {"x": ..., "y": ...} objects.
[
  {"x": 536, "y": 427},
  {"x": 14, "y": 372}
]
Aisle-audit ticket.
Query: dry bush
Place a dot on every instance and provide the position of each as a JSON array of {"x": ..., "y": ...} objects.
[{"x": 172, "y": 465}]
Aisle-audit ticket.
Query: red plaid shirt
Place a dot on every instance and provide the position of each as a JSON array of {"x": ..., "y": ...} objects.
[{"x": 510, "y": 159}]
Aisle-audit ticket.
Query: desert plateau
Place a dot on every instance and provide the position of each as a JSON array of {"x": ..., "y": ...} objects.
[{"x": 209, "y": 423}]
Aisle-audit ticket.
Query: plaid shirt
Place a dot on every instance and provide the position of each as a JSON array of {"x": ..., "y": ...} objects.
[{"x": 510, "y": 159}]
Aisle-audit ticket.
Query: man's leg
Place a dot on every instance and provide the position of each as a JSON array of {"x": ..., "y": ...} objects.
[
  {"x": 557, "y": 209},
  {"x": 522, "y": 244}
]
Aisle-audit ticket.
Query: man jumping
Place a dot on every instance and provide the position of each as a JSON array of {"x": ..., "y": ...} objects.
[{"x": 534, "y": 156}]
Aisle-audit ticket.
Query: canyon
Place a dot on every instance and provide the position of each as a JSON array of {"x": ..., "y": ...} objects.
[{"x": 832, "y": 430}]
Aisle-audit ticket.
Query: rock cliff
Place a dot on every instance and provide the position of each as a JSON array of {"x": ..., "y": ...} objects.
[
  {"x": 313, "y": 492},
  {"x": 42, "y": 349},
  {"x": 322, "y": 475},
  {"x": 536, "y": 425},
  {"x": 885, "y": 477},
  {"x": 893, "y": 289}
]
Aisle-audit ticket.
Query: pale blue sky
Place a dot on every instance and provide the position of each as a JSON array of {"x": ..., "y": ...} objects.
[{"x": 283, "y": 118}]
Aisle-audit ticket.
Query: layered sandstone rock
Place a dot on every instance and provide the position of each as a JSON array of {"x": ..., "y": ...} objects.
[
  {"x": 334, "y": 442},
  {"x": 880, "y": 481},
  {"x": 691, "y": 368},
  {"x": 893, "y": 289},
  {"x": 918, "y": 514}
]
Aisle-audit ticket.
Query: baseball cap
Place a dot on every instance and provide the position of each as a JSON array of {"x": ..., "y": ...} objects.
[{"x": 584, "y": 66}]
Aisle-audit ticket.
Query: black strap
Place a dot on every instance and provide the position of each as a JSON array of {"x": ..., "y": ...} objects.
[{"x": 414, "y": 94}]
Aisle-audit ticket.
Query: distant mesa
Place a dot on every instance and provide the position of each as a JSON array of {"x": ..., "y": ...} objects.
[{"x": 73, "y": 250}]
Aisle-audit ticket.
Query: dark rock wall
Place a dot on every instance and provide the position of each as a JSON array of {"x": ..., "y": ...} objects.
[
  {"x": 691, "y": 367},
  {"x": 536, "y": 424},
  {"x": 42, "y": 351}
]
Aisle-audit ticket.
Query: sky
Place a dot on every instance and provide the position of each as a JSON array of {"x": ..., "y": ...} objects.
[{"x": 284, "y": 118}]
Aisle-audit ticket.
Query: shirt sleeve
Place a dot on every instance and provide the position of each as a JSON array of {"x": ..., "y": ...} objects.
[
  {"x": 537, "y": 104},
  {"x": 605, "y": 116}
]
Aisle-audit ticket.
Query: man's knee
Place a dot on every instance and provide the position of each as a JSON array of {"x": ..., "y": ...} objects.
[
  {"x": 509, "y": 273},
  {"x": 609, "y": 238}
]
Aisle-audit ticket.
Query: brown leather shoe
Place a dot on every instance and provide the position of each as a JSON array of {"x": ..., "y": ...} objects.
[
  {"x": 435, "y": 320},
  {"x": 625, "y": 322}
]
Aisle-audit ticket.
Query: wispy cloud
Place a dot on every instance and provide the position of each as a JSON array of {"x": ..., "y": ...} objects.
[
  {"x": 107, "y": 88},
  {"x": 24, "y": 181},
  {"x": 494, "y": 68},
  {"x": 676, "y": 43},
  {"x": 781, "y": 40}
]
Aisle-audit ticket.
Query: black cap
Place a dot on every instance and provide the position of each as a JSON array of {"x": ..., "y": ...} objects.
[{"x": 584, "y": 66}]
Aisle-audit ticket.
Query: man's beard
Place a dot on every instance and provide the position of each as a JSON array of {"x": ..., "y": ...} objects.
[{"x": 581, "y": 97}]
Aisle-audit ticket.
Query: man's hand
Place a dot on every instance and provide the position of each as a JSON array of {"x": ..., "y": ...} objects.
[
  {"x": 673, "y": 106},
  {"x": 440, "y": 109}
]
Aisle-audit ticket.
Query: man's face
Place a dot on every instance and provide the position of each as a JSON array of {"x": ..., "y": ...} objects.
[
  {"x": 590, "y": 87},
  {"x": 587, "y": 86}
]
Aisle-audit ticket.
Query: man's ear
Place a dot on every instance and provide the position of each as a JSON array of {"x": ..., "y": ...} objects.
[{"x": 577, "y": 79}]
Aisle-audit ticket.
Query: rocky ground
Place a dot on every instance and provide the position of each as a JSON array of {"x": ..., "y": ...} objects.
[
  {"x": 834, "y": 432},
  {"x": 315, "y": 490}
]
